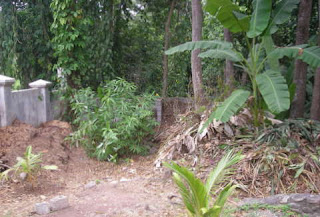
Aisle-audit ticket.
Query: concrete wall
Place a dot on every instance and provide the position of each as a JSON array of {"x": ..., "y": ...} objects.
[
  {"x": 31, "y": 106},
  {"x": 26, "y": 105}
]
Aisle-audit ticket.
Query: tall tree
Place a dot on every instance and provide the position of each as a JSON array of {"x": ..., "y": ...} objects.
[
  {"x": 229, "y": 69},
  {"x": 197, "y": 18},
  {"x": 300, "y": 74},
  {"x": 166, "y": 47},
  {"x": 315, "y": 106}
]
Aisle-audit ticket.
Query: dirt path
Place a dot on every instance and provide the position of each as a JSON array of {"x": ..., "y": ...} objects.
[
  {"x": 129, "y": 189},
  {"x": 137, "y": 196}
]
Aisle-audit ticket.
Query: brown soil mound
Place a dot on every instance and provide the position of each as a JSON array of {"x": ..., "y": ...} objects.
[{"x": 47, "y": 139}]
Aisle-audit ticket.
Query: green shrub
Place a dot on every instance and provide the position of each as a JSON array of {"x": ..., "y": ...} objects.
[{"x": 112, "y": 121}]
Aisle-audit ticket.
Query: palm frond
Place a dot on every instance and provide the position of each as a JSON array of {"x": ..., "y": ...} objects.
[
  {"x": 222, "y": 170},
  {"x": 197, "y": 196}
]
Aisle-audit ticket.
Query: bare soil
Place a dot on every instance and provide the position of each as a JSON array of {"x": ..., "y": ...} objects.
[
  {"x": 133, "y": 187},
  {"x": 130, "y": 188}
]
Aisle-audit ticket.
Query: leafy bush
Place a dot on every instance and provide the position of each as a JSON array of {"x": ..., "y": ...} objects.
[
  {"x": 197, "y": 195},
  {"x": 112, "y": 121},
  {"x": 29, "y": 164}
]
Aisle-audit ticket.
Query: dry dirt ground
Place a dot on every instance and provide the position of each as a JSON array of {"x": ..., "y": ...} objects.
[{"x": 131, "y": 188}]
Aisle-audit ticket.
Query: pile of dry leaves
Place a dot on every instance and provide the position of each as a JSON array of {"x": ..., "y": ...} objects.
[{"x": 273, "y": 164}]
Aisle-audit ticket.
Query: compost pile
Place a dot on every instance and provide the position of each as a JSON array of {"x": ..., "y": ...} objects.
[
  {"x": 282, "y": 158},
  {"x": 48, "y": 139}
]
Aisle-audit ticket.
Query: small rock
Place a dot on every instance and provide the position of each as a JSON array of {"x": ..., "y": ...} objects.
[
  {"x": 90, "y": 185},
  {"x": 298, "y": 197},
  {"x": 285, "y": 199},
  {"x": 42, "y": 208},
  {"x": 43, "y": 197},
  {"x": 314, "y": 199},
  {"x": 23, "y": 176},
  {"x": 228, "y": 131},
  {"x": 132, "y": 171},
  {"x": 59, "y": 202},
  {"x": 124, "y": 180},
  {"x": 114, "y": 184}
]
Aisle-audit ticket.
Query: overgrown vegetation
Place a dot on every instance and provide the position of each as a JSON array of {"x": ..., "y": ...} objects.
[
  {"x": 268, "y": 86},
  {"x": 112, "y": 121},
  {"x": 27, "y": 167}
]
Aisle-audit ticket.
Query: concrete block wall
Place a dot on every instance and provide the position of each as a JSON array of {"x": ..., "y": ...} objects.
[{"x": 31, "y": 106}]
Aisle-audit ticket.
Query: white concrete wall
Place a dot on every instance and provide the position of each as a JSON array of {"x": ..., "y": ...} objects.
[
  {"x": 31, "y": 106},
  {"x": 26, "y": 105}
]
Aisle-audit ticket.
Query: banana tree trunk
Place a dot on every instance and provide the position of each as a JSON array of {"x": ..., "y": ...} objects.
[
  {"x": 229, "y": 69},
  {"x": 315, "y": 106},
  {"x": 166, "y": 47},
  {"x": 300, "y": 74},
  {"x": 196, "y": 67}
]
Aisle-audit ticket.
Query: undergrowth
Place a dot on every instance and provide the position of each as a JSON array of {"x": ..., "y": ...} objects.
[{"x": 112, "y": 121}]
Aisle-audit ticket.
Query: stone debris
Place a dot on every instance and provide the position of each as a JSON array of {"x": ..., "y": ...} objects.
[
  {"x": 302, "y": 203},
  {"x": 124, "y": 180},
  {"x": 42, "y": 208},
  {"x": 59, "y": 202},
  {"x": 114, "y": 184},
  {"x": 23, "y": 176},
  {"x": 90, "y": 185}
]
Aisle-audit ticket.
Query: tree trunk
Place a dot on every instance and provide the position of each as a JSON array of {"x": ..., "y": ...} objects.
[
  {"x": 315, "y": 105},
  {"x": 166, "y": 46},
  {"x": 229, "y": 69},
  {"x": 196, "y": 67},
  {"x": 300, "y": 75}
]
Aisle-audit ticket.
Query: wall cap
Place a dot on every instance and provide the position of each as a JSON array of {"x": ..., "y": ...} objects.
[
  {"x": 40, "y": 84},
  {"x": 6, "y": 81}
]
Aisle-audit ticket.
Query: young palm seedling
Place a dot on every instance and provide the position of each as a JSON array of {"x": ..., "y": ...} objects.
[
  {"x": 196, "y": 195},
  {"x": 29, "y": 165}
]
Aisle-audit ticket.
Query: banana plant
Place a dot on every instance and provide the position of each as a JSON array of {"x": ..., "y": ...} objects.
[
  {"x": 261, "y": 64},
  {"x": 196, "y": 195}
]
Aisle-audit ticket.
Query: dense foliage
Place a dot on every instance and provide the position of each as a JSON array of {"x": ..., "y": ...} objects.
[{"x": 112, "y": 121}]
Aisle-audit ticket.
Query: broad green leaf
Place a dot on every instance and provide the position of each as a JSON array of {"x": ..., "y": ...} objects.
[
  {"x": 221, "y": 54},
  {"x": 267, "y": 43},
  {"x": 310, "y": 55},
  {"x": 231, "y": 105},
  {"x": 230, "y": 19},
  {"x": 274, "y": 90},
  {"x": 260, "y": 17},
  {"x": 228, "y": 14},
  {"x": 288, "y": 51},
  {"x": 188, "y": 46},
  {"x": 213, "y": 6},
  {"x": 281, "y": 14}
]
